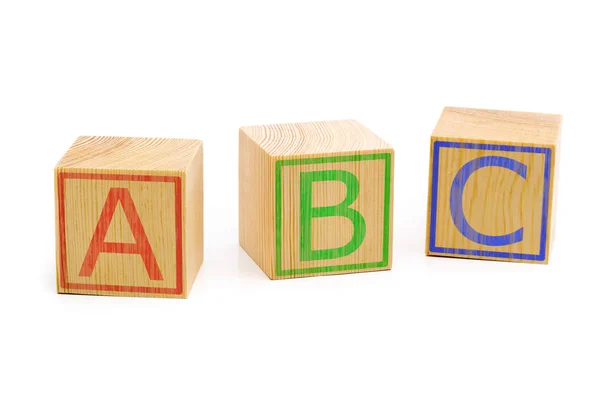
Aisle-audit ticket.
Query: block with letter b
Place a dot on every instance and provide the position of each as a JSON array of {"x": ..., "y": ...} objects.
[
  {"x": 129, "y": 216},
  {"x": 315, "y": 198},
  {"x": 493, "y": 185}
]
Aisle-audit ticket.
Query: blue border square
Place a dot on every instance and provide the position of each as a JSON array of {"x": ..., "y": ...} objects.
[{"x": 486, "y": 253}]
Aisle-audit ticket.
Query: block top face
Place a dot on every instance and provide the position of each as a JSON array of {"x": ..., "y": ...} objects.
[
  {"x": 314, "y": 138},
  {"x": 499, "y": 126},
  {"x": 110, "y": 152}
]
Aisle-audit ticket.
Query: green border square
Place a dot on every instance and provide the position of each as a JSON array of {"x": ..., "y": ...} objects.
[{"x": 387, "y": 157}]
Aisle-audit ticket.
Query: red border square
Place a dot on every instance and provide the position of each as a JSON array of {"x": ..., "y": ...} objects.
[{"x": 117, "y": 288}]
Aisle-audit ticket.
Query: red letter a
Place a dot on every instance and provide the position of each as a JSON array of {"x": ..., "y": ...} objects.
[{"x": 141, "y": 245}]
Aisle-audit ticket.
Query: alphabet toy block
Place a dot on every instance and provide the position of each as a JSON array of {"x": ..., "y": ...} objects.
[
  {"x": 492, "y": 185},
  {"x": 315, "y": 198},
  {"x": 129, "y": 215}
]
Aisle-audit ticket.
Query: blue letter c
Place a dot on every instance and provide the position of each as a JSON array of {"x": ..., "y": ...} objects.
[{"x": 456, "y": 195}]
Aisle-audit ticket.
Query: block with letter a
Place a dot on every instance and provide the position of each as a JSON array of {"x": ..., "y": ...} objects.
[{"x": 129, "y": 216}]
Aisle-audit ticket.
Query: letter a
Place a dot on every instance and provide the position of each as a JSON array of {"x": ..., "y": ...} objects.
[{"x": 141, "y": 245}]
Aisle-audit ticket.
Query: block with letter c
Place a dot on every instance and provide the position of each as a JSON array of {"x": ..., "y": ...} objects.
[{"x": 492, "y": 185}]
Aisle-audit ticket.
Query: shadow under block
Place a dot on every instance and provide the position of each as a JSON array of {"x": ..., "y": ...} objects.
[
  {"x": 492, "y": 185},
  {"x": 129, "y": 216},
  {"x": 315, "y": 198}
]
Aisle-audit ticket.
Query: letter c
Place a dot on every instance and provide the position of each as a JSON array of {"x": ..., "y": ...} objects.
[{"x": 456, "y": 203}]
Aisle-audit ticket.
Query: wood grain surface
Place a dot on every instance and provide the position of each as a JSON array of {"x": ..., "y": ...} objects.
[
  {"x": 514, "y": 193},
  {"x": 315, "y": 167},
  {"x": 129, "y": 216}
]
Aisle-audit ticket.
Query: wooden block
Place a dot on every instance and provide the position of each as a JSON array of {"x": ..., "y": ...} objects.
[
  {"x": 492, "y": 185},
  {"x": 315, "y": 198},
  {"x": 129, "y": 216}
]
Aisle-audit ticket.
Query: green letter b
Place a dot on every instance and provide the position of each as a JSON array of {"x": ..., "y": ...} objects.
[{"x": 308, "y": 212}]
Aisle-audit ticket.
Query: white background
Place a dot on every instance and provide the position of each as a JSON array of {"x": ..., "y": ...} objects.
[{"x": 432, "y": 328}]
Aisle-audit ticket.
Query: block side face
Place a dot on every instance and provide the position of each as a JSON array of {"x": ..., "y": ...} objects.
[
  {"x": 498, "y": 126},
  {"x": 323, "y": 137},
  {"x": 122, "y": 154},
  {"x": 256, "y": 203},
  {"x": 194, "y": 219},
  {"x": 120, "y": 234},
  {"x": 334, "y": 214},
  {"x": 489, "y": 201}
]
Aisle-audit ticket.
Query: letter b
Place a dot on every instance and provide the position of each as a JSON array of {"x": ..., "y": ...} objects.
[{"x": 308, "y": 213}]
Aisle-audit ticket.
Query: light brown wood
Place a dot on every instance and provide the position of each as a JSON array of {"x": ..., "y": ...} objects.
[
  {"x": 129, "y": 216},
  {"x": 508, "y": 163},
  {"x": 500, "y": 126},
  {"x": 322, "y": 137},
  {"x": 315, "y": 167}
]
